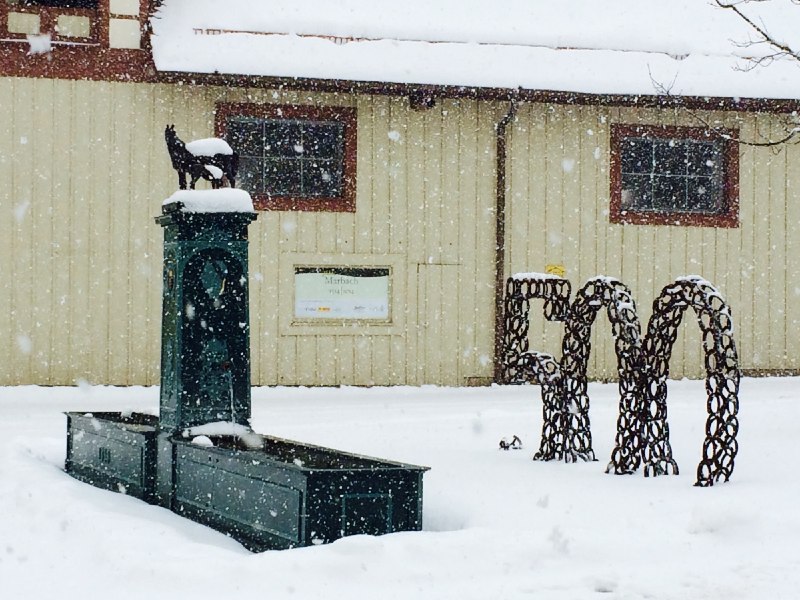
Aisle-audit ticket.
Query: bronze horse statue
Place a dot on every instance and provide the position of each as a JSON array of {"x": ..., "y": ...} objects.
[{"x": 216, "y": 168}]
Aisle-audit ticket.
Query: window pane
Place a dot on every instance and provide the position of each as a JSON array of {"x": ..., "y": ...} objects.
[
  {"x": 246, "y": 137},
  {"x": 637, "y": 192},
  {"x": 687, "y": 174},
  {"x": 670, "y": 157},
  {"x": 282, "y": 177},
  {"x": 704, "y": 195},
  {"x": 293, "y": 157},
  {"x": 282, "y": 138},
  {"x": 324, "y": 140},
  {"x": 250, "y": 177},
  {"x": 321, "y": 178},
  {"x": 669, "y": 193},
  {"x": 637, "y": 155},
  {"x": 704, "y": 159}
]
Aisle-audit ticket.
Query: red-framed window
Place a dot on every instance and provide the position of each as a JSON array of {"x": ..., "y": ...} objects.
[
  {"x": 664, "y": 175},
  {"x": 293, "y": 157},
  {"x": 49, "y": 13}
]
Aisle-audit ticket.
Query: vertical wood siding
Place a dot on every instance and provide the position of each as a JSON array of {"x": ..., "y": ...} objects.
[
  {"x": 79, "y": 264},
  {"x": 84, "y": 170},
  {"x": 559, "y": 197}
]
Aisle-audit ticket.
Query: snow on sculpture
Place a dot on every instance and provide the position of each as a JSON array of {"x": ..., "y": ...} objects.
[{"x": 643, "y": 366}]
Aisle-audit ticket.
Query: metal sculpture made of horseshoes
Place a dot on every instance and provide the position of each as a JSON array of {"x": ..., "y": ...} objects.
[{"x": 643, "y": 365}]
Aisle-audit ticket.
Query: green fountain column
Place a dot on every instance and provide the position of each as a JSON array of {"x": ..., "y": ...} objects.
[{"x": 205, "y": 331}]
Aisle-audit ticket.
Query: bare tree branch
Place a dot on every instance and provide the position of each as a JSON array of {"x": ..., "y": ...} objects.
[
  {"x": 791, "y": 128},
  {"x": 780, "y": 50},
  {"x": 783, "y": 49}
]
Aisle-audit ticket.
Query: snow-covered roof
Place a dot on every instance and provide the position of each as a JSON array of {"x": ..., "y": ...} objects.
[{"x": 690, "y": 47}]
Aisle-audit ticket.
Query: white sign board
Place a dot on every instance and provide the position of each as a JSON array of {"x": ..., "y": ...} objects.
[{"x": 341, "y": 293}]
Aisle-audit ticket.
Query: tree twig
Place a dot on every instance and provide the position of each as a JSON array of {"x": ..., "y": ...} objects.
[
  {"x": 783, "y": 48},
  {"x": 790, "y": 134}
]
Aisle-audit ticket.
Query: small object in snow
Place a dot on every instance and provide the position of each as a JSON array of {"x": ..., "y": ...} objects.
[
  {"x": 514, "y": 444},
  {"x": 203, "y": 440}
]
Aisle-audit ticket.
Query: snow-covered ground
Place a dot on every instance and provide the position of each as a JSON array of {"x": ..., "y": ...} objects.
[{"x": 497, "y": 525}]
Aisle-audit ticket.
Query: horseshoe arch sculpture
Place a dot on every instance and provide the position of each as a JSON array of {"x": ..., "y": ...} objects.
[
  {"x": 615, "y": 296},
  {"x": 722, "y": 379},
  {"x": 566, "y": 432},
  {"x": 642, "y": 428},
  {"x": 521, "y": 365}
]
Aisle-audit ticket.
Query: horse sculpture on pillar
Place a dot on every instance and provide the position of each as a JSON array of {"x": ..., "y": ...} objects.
[{"x": 211, "y": 159}]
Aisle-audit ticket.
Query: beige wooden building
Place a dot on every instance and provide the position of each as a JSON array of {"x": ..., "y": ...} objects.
[{"x": 85, "y": 169}]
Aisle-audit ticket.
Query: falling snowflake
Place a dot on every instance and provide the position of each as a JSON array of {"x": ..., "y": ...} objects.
[
  {"x": 21, "y": 210},
  {"x": 24, "y": 343}
]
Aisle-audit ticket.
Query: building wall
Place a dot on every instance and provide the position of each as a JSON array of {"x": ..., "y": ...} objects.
[
  {"x": 558, "y": 215},
  {"x": 84, "y": 170}
]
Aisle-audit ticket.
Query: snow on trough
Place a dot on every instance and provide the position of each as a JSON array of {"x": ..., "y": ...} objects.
[
  {"x": 496, "y": 525},
  {"x": 222, "y": 428}
]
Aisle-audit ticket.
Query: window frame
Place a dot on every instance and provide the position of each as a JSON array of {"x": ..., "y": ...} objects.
[
  {"x": 727, "y": 218},
  {"x": 48, "y": 15},
  {"x": 58, "y": 4},
  {"x": 346, "y": 202}
]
